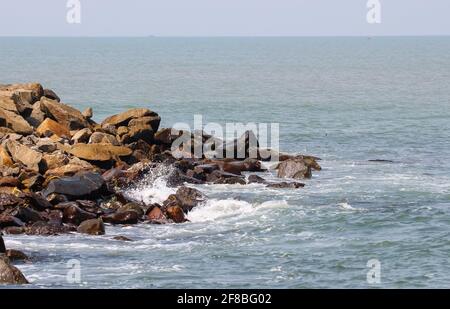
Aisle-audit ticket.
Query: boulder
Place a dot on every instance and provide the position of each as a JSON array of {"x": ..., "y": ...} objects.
[
  {"x": 92, "y": 227},
  {"x": 37, "y": 116},
  {"x": 138, "y": 132},
  {"x": 256, "y": 179},
  {"x": 156, "y": 215},
  {"x": 188, "y": 198},
  {"x": 103, "y": 138},
  {"x": 54, "y": 160},
  {"x": 88, "y": 113},
  {"x": 123, "y": 217},
  {"x": 5, "y": 159},
  {"x": 72, "y": 167},
  {"x": 46, "y": 145},
  {"x": 36, "y": 90},
  {"x": 50, "y": 94},
  {"x": 132, "y": 206},
  {"x": 122, "y": 238},
  {"x": 6, "y": 103},
  {"x": 294, "y": 168},
  {"x": 46, "y": 228},
  {"x": 23, "y": 100},
  {"x": 77, "y": 186},
  {"x": 176, "y": 214},
  {"x": 10, "y": 274},
  {"x": 82, "y": 136},
  {"x": 27, "y": 214},
  {"x": 75, "y": 215},
  {"x": 16, "y": 255},
  {"x": 25, "y": 155},
  {"x": 99, "y": 152},
  {"x": 50, "y": 127},
  {"x": 124, "y": 118},
  {"x": 9, "y": 200},
  {"x": 66, "y": 115},
  {"x": 152, "y": 121},
  {"x": 15, "y": 122},
  {"x": 7, "y": 220},
  {"x": 122, "y": 130}
]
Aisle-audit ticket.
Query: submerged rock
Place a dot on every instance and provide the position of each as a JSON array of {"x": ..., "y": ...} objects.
[{"x": 92, "y": 227}]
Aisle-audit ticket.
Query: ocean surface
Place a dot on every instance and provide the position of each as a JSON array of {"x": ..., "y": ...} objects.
[{"x": 345, "y": 100}]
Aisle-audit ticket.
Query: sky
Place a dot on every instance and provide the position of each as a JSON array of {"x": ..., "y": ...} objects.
[{"x": 223, "y": 18}]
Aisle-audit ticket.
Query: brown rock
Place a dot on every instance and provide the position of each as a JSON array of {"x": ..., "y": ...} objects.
[
  {"x": 35, "y": 88},
  {"x": 92, "y": 227},
  {"x": 152, "y": 121},
  {"x": 23, "y": 100},
  {"x": 87, "y": 113},
  {"x": 50, "y": 94},
  {"x": 50, "y": 127},
  {"x": 99, "y": 152},
  {"x": 122, "y": 130},
  {"x": 37, "y": 116},
  {"x": 176, "y": 214},
  {"x": 125, "y": 117},
  {"x": 138, "y": 132},
  {"x": 156, "y": 214},
  {"x": 294, "y": 168},
  {"x": 15, "y": 122},
  {"x": 122, "y": 238},
  {"x": 82, "y": 136},
  {"x": 123, "y": 217},
  {"x": 132, "y": 206},
  {"x": 10, "y": 274},
  {"x": 6, "y": 103},
  {"x": 22, "y": 154},
  {"x": 66, "y": 115},
  {"x": 76, "y": 215},
  {"x": 5, "y": 159},
  {"x": 54, "y": 160},
  {"x": 103, "y": 138},
  {"x": 256, "y": 179},
  {"x": 74, "y": 166},
  {"x": 16, "y": 255},
  {"x": 9, "y": 182}
]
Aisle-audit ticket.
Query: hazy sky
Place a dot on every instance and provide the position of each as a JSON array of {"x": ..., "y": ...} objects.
[{"x": 223, "y": 18}]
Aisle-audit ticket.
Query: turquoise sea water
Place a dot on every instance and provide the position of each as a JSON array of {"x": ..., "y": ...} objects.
[{"x": 346, "y": 100}]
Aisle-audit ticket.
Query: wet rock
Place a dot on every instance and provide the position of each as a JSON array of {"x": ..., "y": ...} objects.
[
  {"x": 256, "y": 179},
  {"x": 50, "y": 94},
  {"x": 37, "y": 201},
  {"x": 16, "y": 255},
  {"x": 286, "y": 185},
  {"x": 7, "y": 220},
  {"x": 188, "y": 198},
  {"x": 294, "y": 168},
  {"x": 103, "y": 138},
  {"x": 82, "y": 136},
  {"x": 25, "y": 155},
  {"x": 230, "y": 181},
  {"x": 50, "y": 127},
  {"x": 132, "y": 206},
  {"x": 76, "y": 215},
  {"x": 124, "y": 118},
  {"x": 122, "y": 238},
  {"x": 156, "y": 215},
  {"x": 14, "y": 230},
  {"x": 88, "y": 113},
  {"x": 45, "y": 228},
  {"x": 92, "y": 227},
  {"x": 10, "y": 274},
  {"x": 76, "y": 186},
  {"x": 15, "y": 122},
  {"x": 176, "y": 214},
  {"x": 99, "y": 152},
  {"x": 27, "y": 214},
  {"x": 65, "y": 115},
  {"x": 123, "y": 217}
]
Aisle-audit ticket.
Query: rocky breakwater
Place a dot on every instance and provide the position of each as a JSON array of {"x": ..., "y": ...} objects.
[{"x": 62, "y": 172}]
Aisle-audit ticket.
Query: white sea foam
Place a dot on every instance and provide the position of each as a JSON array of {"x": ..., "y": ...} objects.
[
  {"x": 153, "y": 187},
  {"x": 346, "y": 206}
]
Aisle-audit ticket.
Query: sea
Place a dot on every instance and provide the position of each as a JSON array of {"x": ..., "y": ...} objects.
[{"x": 376, "y": 110}]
